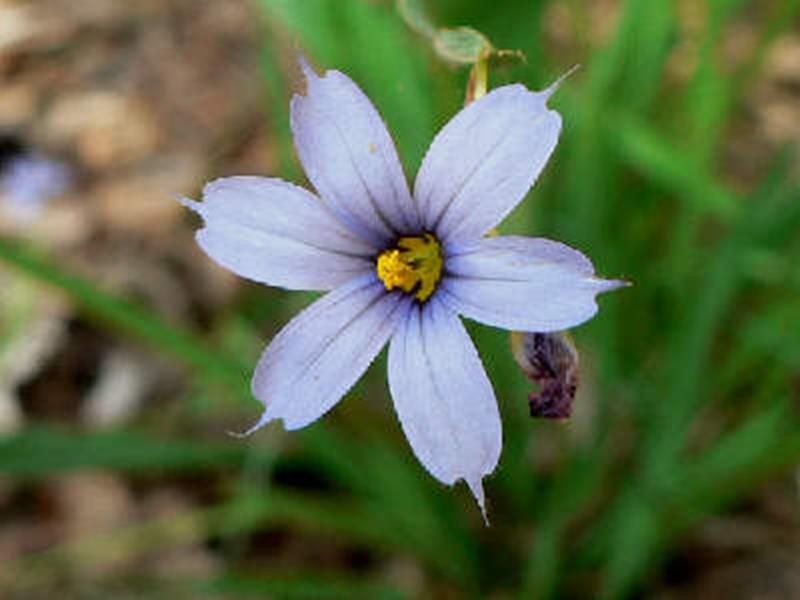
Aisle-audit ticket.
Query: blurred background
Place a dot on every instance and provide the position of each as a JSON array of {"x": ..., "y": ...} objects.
[{"x": 125, "y": 354}]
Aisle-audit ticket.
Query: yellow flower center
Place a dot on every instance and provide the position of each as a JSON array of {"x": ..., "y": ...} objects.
[{"x": 414, "y": 266}]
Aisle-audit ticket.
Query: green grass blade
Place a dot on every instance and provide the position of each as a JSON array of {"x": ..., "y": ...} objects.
[
  {"x": 381, "y": 55},
  {"x": 45, "y": 451},
  {"x": 126, "y": 316}
]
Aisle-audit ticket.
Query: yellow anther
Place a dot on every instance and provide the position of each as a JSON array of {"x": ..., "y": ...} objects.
[
  {"x": 414, "y": 266},
  {"x": 394, "y": 272}
]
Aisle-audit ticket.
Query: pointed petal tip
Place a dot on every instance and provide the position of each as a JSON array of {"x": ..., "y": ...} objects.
[
  {"x": 263, "y": 420},
  {"x": 553, "y": 87},
  {"x": 601, "y": 286},
  {"x": 608, "y": 285},
  {"x": 476, "y": 487},
  {"x": 189, "y": 203},
  {"x": 308, "y": 71}
]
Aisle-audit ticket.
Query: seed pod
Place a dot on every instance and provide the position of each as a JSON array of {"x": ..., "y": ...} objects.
[{"x": 550, "y": 360}]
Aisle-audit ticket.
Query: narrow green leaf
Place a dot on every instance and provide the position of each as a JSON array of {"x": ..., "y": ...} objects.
[
  {"x": 372, "y": 45},
  {"x": 638, "y": 532},
  {"x": 310, "y": 585},
  {"x": 126, "y": 316},
  {"x": 43, "y": 451},
  {"x": 670, "y": 167},
  {"x": 766, "y": 440},
  {"x": 277, "y": 106}
]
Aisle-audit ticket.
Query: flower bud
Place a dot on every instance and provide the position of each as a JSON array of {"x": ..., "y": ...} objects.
[{"x": 551, "y": 361}]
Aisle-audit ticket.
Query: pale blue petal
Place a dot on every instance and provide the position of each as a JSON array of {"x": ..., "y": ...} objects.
[
  {"x": 350, "y": 158},
  {"x": 30, "y": 181},
  {"x": 324, "y": 350},
  {"x": 519, "y": 283},
  {"x": 276, "y": 233},
  {"x": 484, "y": 161},
  {"x": 443, "y": 397}
]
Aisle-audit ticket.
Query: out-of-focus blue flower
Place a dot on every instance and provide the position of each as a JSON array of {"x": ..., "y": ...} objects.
[
  {"x": 29, "y": 181},
  {"x": 401, "y": 267}
]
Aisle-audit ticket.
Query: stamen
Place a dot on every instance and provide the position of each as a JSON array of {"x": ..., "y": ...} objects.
[{"x": 414, "y": 266}]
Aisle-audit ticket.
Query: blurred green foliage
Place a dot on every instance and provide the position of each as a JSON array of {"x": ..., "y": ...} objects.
[{"x": 708, "y": 333}]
